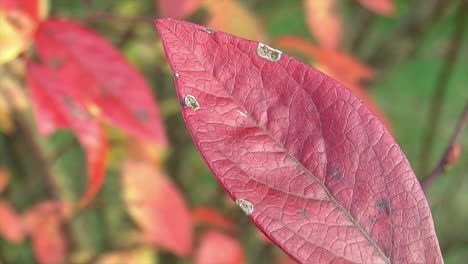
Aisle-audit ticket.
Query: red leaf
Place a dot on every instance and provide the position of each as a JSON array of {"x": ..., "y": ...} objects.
[
  {"x": 157, "y": 206},
  {"x": 177, "y": 8},
  {"x": 313, "y": 168},
  {"x": 324, "y": 22},
  {"x": 381, "y": 7},
  {"x": 44, "y": 222},
  {"x": 98, "y": 76},
  {"x": 217, "y": 248},
  {"x": 11, "y": 226},
  {"x": 211, "y": 216},
  {"x": 31, "y": 7},
  {"x": 55, "y": 109}
]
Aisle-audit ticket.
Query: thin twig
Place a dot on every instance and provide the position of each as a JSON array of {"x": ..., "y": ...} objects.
[
  {"x": 444, "y": 161},
  {"x": 433, "y": 117},
  {"x": 400, "y": 43},
  {"x": 98, "y": 17},
  {"x": 365, "y": 20}
]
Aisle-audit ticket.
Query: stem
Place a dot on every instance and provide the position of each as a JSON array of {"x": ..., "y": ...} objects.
[
  {"x": 98, "y": 17},
  {"x": 364, "y": 23},
  {"x": 433, "y": 117},
  {"x": 442, "y": 165},
  {"x": 400, "y": 42},
  {"x": 43, "y": 167}
]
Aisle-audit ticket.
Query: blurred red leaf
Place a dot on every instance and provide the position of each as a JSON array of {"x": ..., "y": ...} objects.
[
  {"x": 11, "y": 226},
  {"x": 30, "y": 7},
  {"x": 381, "y": 7},
  {"x": 44, "y": 222},
  {"x": 4, "y": 179},
  {"x": 212, "y": 217},
  {"x": 99, "y": 77},
  {"x": 55, "y": 109},
  {"x": 177, "y": 8},
  {"x": 217, "y": 248},
  {"x": 157, "y": 206},
  {"x": 324, "y": 22},
  {"x": 306, "y": 160}
]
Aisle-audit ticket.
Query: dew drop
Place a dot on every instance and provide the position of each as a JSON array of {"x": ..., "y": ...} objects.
[
  {"x": 246, "y": 206},
  {"x": 242, "y": 113},
  {"x": 268, "y": 52},
  {"x": 208, "y": 30},
  {"x": 191, "y": 102}
]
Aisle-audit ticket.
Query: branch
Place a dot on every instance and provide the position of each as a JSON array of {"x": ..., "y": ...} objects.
[
  {"x": 445, "y": 160},
  {"x": 433, "y": 117},
  {"x": 100, "y": 17},
  {"x": 401, "y": 42}
]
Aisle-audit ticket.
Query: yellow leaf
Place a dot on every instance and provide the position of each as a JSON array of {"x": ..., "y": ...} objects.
[
  {"x": 232, "y": 17},
  {"x": 16, "y": 28}
]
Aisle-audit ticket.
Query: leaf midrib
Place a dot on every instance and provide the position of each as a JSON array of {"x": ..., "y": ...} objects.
[{"x": 332, "y": 199}]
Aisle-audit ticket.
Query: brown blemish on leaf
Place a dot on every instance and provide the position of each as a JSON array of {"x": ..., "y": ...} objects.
[
  {"x": 268, "y": 52},
  {"x": 191, "y": 102}
]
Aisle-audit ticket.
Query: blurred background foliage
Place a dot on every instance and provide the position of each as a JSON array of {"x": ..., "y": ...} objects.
[{"x": 407, "y": 51}]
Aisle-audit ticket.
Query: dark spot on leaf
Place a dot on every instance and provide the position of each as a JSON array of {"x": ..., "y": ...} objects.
[
  {"x": 372, "y": 219},
  {"x": 384, "y": 206},
  {"x": 142, "y": 115},
  {"x": 393, "y": 212},
  {"x": 303, "y": 213},
  {"x": 56, "y": 62},
  {"x": 74, "y": 109},
  {"x": 335, "y": 174}
]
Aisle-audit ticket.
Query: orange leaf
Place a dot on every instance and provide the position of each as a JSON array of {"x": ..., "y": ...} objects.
[
  {"x": 381, "y": 7},
  {"x": 324, "y": 22},
  {"x": 210, "y": 216},
  {"x": 11, "y": 226},
  {"x": 232, "y": 17},
  {"x": 347, "y": 66},
  {"x": 454, "y": 155},
  {"x": 44, "y": 222},
  {"x": 157, "y": 206},
  {"x": 177, "y": 8},
  {"x": 4, "y": 179},
  {"x": 217, "y": 248},
  {"x": 97, "y": 151}
]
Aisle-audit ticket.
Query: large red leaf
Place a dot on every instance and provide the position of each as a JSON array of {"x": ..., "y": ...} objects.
[
  {"x": 313, "y": 168},
  {"x": 217, "y": 248},
  {"x": 177, "y": 8},
  {"x": 157, "y": 206},
  {"x": 99, "y": 77},
  {"x": 55, "y": 109}
]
